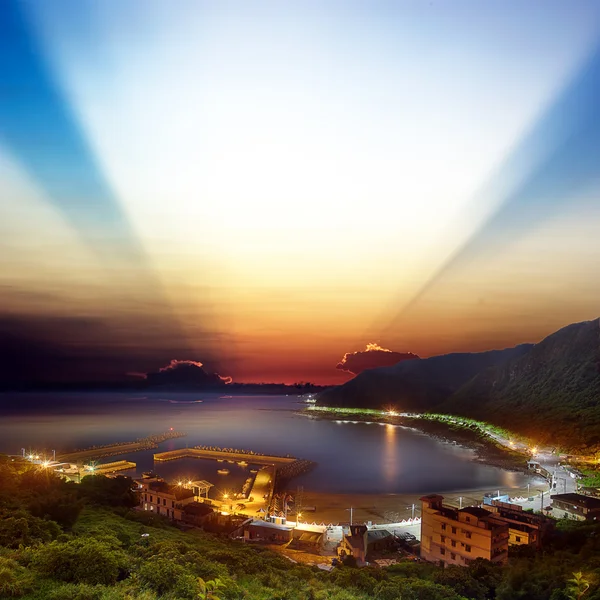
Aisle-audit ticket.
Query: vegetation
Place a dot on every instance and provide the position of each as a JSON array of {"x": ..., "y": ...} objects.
[
  {"x": 547, "y": 392},
  {"x": 111, "y": 552}
]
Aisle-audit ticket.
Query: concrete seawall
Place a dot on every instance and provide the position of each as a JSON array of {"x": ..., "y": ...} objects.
[{"x": 257, "y": 459}]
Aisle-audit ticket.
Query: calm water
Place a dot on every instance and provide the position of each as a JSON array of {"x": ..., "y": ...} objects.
[{"x": 351, "y": 458}]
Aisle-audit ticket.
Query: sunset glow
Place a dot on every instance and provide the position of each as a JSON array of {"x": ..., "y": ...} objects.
[{"x": 263, "y": 189}]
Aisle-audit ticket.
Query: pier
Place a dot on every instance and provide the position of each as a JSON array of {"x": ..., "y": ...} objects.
[
  {"x": 257, "y": 459},
  {"x": 113, "y": 467},
  {"x": 95, "y": 452}
]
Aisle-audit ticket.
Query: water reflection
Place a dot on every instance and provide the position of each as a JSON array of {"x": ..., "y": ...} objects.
[{"x": 390, "y": 455}]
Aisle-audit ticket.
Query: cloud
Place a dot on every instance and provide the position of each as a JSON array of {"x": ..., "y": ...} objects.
[
  {"x": 371, "y": 357},
  {"x": 186, "y": 372}
]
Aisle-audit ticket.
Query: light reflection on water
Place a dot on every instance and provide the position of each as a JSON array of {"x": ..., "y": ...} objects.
[{"x": 351, "y": 457}]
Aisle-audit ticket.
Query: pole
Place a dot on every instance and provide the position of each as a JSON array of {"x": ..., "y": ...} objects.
[
  {"x": 413, "y": 512},
  {"x": 460, "y": 502},
  {"x": 350, "y": 516}
]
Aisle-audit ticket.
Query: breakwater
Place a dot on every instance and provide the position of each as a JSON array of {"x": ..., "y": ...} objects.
[
  {"x": 224, "y": 454},
  {"x": 96, "y": 452},
  {"x": 119, "y": 465}
]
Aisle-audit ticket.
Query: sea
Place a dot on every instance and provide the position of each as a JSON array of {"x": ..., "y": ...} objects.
[{"x": 351, "y": 458}]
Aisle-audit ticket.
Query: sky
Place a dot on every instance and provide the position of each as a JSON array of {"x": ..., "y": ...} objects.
[{"x": 264, "y": 187}]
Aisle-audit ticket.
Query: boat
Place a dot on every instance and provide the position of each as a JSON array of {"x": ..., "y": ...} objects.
[
  {"x": 253, "y": 470},
  {"x": 220, "y": 460},
  {"x": 223, "y": 471},
  {"x": 243, "y": 463}
]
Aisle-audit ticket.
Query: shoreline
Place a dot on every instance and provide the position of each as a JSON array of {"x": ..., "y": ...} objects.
[
  {"x": 488, "y": 450},
  {"x": 334, "y": 508}
]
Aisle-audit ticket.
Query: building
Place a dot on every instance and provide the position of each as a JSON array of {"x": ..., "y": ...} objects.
[
  {"x": 454, "y": 536},
  {"x": 161, "y": 498},
  {"x": 257, "y": 530},
  {"x": 308, "y": 538},
  {"x": 197, "y": 513},
  {"x": 575, "y": 506},
  {"x": 524, "y": 528},
  {"x": 362, "y": 543}
]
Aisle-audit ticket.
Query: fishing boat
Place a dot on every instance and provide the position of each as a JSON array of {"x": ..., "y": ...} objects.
[{"x": 223, "y": 471}]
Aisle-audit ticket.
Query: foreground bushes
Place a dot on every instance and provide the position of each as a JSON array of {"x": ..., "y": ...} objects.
[{"x": 128, "y": 556}]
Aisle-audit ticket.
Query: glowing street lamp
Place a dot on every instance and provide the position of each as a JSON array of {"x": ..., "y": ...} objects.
[{"x": 298, "y": 517}]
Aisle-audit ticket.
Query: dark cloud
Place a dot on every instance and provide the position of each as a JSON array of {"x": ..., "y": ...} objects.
[
  {"x": 186, "y": 373},
  {"x": 371, "y": 357},
  {"x": 38, "y": 352}
]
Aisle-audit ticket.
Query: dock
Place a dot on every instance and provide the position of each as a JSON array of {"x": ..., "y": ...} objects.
[
  {"x": 256, "y": 459},
  {"x": 113, "y": 467}
]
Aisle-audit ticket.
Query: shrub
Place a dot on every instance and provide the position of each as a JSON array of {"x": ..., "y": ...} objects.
[{"x": 81, "y": 560}]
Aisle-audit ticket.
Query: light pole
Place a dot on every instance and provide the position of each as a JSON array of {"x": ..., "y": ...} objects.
[{"x": 459, "y": 503}]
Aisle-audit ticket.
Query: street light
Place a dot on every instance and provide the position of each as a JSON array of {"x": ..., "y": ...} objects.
[{"x": 298, "y": 517}]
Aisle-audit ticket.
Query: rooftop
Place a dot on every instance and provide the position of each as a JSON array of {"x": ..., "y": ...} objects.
[
  {"x": 480, "y": 513},
  {"x": 578, "y": 500}
]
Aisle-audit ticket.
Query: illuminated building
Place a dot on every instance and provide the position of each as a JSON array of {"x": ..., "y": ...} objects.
[{"x": 456, "y": 537}]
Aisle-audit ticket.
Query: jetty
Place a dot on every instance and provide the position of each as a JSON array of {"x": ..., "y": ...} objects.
[
  {"x": 113, "y": 467},
  {"x": 231, "y": 455},
  {"x": 96, "y": 452}
]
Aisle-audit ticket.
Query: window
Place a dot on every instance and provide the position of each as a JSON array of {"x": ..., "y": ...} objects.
[
  {"x": 453, "y": 543},
  {"x": 453, "y": 556},
  {"x": 442, "y": 551},
  {"x": 150, "y": 498},
  {"x": 454, "y": 530},
  {"x": 443, "y": 538},
  {"x": 518, "y": 539},
  {"x": 468, "y": 535},
  {"x": 172, "y": 503},
  {"x": 164, "y": 501},
  {"x": 468, "y": 519},
  {"x": 146, "y": 497},
  {"x": 468, "y": 548},
  {"x": 443, "y": 526}
]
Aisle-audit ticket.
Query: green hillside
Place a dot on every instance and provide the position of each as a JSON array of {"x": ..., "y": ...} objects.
[
  {"x": 62, "y": 541},
  {"x": 551, "y": 394}
]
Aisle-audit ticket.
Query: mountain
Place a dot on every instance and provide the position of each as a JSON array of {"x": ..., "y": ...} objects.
[
  {"x": 551, "y": 393},
  {"x": 418, "y": 384}
]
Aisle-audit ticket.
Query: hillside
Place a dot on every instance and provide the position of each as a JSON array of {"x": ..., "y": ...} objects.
[
  {"x": 67, "y": 541},
  {"x": 552, "y": 393},
  {"x": 418, "y": 384}
]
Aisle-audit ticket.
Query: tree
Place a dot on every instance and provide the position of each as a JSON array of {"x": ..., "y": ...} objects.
[
  {"x": 578, "y": 586},
  {"x": 210, "y": 589}
]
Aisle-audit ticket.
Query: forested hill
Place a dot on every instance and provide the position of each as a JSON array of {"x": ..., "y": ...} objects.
[
  {"x": 552, "y": 393},
  {"x": 419, "y": 384}
]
